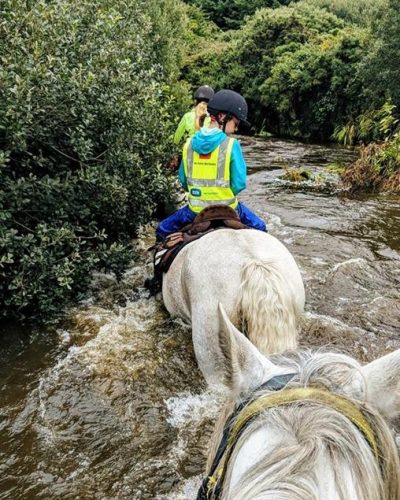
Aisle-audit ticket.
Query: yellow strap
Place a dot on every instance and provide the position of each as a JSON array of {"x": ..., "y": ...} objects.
[
  {"x": 213, "y": 480},
  {"x": 301, "y": 394}
]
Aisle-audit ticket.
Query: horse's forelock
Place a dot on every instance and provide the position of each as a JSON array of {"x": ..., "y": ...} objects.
[{"x": 334, "y": 371}]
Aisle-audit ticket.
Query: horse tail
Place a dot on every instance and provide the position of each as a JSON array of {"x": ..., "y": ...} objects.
[{"x": 268, "y": 307}]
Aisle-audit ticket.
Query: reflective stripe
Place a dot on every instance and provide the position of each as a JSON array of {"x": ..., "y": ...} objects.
[
  {"x": 190, "y": 160},
  {"x": 208, "y": 182},
  {"x": 221, "y": 163},
  {"x": 221, "y": 158},
  {"x": 206, "y": 203}
]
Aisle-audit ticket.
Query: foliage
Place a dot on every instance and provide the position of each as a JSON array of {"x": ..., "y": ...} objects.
[
  {"x": 198, "y": 29},
  {"x": 197, "y": 38},
  {"x": 336, "y": 168},
  {"x": 379, "y": 70},
  {"x": 312, "y": 87},
  {"x": 229, "y": 14},
  {"x": 361, "y": 12},
  {"x": 378, "y": 168},
  {"x": 297, "y": 175},
  {"x": 381, "y": 65},
  {"x": 295, "y": 65},
  {"x": 86, "y": 115},
  {"x": 373, "y": 125}
]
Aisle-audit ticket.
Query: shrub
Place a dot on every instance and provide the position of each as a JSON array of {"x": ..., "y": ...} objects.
[
  {"x": 381, "y": 65},
  {"x": 229, "y": 14},
  {"x": 361, "y": 12},
  {"x": 372, "y": 125},
  {"x": 87, "y": 103},
  {"x": 377, "y": 169},
  {"x": 296, "y": 66}
]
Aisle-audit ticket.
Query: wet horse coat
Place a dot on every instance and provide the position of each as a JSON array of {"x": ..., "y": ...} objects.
[{"x": 252, "y": 275}]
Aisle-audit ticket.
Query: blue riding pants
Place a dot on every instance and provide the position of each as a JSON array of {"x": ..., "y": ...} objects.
[{"x": 185, "y": 216}]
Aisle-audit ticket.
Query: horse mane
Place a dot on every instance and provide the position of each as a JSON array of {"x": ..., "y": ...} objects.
[{"x": 311, "y": 431}]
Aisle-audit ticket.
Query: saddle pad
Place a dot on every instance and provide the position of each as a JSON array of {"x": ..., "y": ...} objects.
[{"x": 209, "y": 219}]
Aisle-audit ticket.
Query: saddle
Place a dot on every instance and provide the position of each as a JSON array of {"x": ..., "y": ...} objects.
[{"x": 211, "y": 218}]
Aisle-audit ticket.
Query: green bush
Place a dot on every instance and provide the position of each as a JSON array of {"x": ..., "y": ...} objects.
[
  {"x": 373, "y": 125},
  {"x": 377, "y": 169},
  {"x": 380, "y": 69},
  {"x": 229, "y": 14},
  {"x": 312, "y": 87},
  {"x": 87, "y": 109},
  {"x": 361, "y": 12},
  {"x": 296, "y": 65}
]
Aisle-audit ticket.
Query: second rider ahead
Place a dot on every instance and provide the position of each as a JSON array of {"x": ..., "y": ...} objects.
[{"x": 213, "y": 170}]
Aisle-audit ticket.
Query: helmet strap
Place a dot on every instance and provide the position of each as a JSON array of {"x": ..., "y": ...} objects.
[{"x": 225, "y": 120}]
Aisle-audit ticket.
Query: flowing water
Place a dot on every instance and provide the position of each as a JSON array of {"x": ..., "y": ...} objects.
[{"x": 113, "y": 406}]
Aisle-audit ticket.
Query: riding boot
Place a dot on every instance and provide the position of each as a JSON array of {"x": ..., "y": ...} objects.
[{"x": 154, "y": 284}]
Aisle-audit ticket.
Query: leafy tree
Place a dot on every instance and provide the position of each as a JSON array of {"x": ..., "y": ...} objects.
[
  {"x": 296, "y": 65},
  {"x": 229, "y": 14},
  {"x": 311, "y": 87},
  {"x": 360, "y": 12},
  {"x": 381, "y": 66},
  {"x": 87, "y": 103}
]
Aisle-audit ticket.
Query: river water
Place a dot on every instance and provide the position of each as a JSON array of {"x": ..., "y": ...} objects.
[{"x": 113, "y": 406}]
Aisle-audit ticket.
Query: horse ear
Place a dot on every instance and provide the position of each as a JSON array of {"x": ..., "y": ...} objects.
[
  {"x": 244, "y": 367},
  {"x": 383, "y": 383}
]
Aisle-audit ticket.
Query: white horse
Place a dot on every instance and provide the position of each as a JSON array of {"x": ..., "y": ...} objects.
[
  {"x": 255, "y": 278},
  {"x": 310, "y": 426}
]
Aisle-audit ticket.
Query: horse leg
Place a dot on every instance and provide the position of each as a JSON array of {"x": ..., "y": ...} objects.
[{"x": 206, "y": 348}]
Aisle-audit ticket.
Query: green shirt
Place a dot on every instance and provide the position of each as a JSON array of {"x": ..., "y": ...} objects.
[{"x": 187, "y": 126}]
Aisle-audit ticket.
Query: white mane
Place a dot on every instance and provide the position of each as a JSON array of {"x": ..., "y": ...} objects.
[{"x": 314, "y": 452}]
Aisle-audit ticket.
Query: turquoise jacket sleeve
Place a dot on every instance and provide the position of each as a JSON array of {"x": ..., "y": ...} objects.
[
  {"x": 238, "y": 169},
  {"x": 182, "y": 176}
]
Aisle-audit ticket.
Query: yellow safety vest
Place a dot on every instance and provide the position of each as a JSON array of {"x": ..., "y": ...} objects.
[{"x": 208, "y": 176}]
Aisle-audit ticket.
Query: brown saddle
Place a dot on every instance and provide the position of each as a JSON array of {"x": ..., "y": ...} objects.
[{"x": 211, "y": 218}]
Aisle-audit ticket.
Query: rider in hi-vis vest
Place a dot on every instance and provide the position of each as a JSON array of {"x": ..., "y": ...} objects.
[
  {"x": 213, "y": 170},
  {"x": 208, "y": 176}
]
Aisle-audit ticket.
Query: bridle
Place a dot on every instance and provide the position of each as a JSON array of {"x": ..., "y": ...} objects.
[{"x": 247, "y": 411}]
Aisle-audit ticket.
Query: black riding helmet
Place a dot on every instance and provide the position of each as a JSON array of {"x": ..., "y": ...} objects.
[
  {"x": 230, "y": 102},
  {"x": 204, "y": 93}
]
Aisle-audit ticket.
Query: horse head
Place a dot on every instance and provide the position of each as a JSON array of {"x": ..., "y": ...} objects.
[{"x": 304, "y": 425}]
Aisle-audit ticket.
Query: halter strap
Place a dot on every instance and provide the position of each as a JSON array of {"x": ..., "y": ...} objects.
[
  {"x": 275, "y": 384},
  {"x": 252, "y": 408}
]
